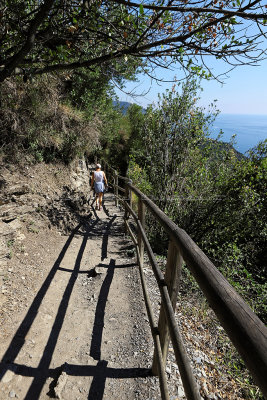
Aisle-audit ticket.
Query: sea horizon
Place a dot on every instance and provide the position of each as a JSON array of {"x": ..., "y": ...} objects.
[
  {"x": 249, "y": 129},
  {"x": 225, "y": 113}
]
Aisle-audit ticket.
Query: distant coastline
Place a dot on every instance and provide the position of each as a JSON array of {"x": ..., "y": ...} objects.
[{"x": 250, "y": 129}]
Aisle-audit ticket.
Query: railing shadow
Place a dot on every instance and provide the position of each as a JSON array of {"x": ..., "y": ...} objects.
[
  {"x": 95, "y": 350},
  {"x": 100, "y": 372},
  {"x": 19, "y": 338},
  {"x": 94, "y": 211},
  {"x": 39, "y": 381},
  {"x": 104, "y": 249},
  {"x": 105, "y": 209}
]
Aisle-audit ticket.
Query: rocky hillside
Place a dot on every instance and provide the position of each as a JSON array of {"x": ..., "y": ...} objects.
[{"x": 37, "y": 203}]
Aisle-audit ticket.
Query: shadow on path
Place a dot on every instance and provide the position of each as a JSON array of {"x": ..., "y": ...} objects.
[
  {"x": 19, "y": 337},
  {"x": 104, "y": 249},
  {"x": 100, "y": 372},
  {"x": 39, "y": 381},
  {"x": 95, "y": 350}
]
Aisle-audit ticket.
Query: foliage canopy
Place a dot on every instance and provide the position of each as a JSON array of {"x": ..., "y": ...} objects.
[
  {"x": 206, "y": 189},
  {"x": 121, "y": 36}
]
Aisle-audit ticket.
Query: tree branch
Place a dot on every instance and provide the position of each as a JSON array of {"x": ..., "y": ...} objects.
[
  {"x": 229, "y": 13},
  {"x": 18, "y": 57}
]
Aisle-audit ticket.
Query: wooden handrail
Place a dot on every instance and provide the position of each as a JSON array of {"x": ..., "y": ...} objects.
[
  {"x": 172, "y": 279},
  {"x": 244, "y": 328},
  {"x": 155, "y": 333},
  {"x": 182, "y": 360}
]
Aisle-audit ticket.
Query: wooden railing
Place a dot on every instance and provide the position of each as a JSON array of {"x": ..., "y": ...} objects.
[{"x": 246, "y": 331}]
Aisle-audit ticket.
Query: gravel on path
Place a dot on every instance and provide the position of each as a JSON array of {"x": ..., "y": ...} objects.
[{"x": 85, "y": 334}]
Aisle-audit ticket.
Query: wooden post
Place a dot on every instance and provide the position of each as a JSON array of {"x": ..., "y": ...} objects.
[
  {"x": 172, "y": 279},
  {"x": 126, "y": 213},
  {"x": 130, "y": 196},
  {"x": 116, "y": 190},
  {"x": 141, "y": 217}
]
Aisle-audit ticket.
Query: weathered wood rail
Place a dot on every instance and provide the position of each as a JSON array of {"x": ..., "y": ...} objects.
[{"x": 246, "y": 331}]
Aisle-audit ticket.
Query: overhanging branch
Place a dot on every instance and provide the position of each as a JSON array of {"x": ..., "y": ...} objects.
[
  {"x": 229, "y": 13},
  {"x": 18, "y": 57}
]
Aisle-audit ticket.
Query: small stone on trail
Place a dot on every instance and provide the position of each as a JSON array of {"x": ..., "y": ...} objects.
[
  {"x": 12, "y": 394},
  {"x": 8, "y": 376},
  {"x": 168, "y": 370},
  {"x": 61, "y": 382},
  {"x": 180, "y": 392},
  {"x": 100, "y": 270}
]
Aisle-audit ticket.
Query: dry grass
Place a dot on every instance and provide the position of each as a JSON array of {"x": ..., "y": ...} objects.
[{"x": 37, "y": 120}]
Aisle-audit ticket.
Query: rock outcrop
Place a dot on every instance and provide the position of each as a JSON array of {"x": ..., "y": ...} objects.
[{"x": 42, "y": 195}]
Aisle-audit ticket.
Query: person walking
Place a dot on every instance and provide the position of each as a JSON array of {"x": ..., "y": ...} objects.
[{"x": 97, "y": 182}]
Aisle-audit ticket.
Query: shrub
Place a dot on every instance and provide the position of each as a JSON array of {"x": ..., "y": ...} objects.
[{"x": 37, "y": 120}]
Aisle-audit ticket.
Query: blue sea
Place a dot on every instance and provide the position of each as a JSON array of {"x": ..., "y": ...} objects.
[{"x": 249, "y": 130}]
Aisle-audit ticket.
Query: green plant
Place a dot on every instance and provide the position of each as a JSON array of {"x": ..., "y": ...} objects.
[
  {"x": 43, "y": 125},
  {"x": 32, "y": 227},
  {"x": 218, "y": 197},
  {"x": 119, "y": 37},
  {"x": 10, "y": 243}
]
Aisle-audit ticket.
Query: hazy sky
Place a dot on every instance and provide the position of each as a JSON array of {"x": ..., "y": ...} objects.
[{"x": 244, "y": 91}]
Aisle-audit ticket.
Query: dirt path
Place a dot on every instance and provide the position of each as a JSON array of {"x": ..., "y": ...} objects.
[
  {"x": 76, "y": 332},
  {"x": 85, "y": 334}
]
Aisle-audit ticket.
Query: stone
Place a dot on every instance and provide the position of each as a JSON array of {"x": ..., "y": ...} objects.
[
  {"x": 100, "y": 270},
  {"x": 168, "y": 370},
  {"x": 8, "y": 376},
  {"x": 6, "y": 231},
  {"x": 19, "y": 189},
  {"x": 212, "y": 396},
  {"x": 10, "y": 212},
  {"x": 20, "y": 237},
  {"x": 180, "y": 392},
  {"x": 12, "y": 394},
  {"x": 61, "y": 382},
  {"x": 205, "y": 388},
  {"x": 15, "y": 224}
]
